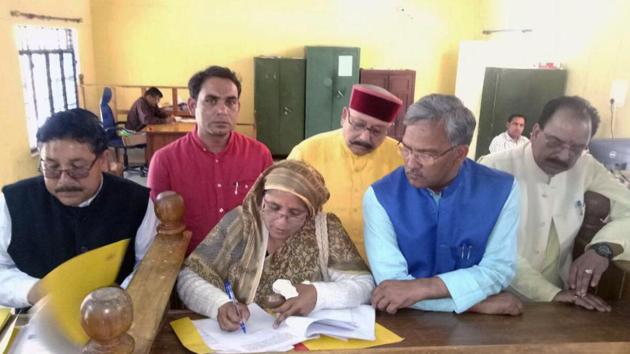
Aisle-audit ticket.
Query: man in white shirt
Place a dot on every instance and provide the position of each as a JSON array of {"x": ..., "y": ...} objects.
[
  {"x": 72, "y": 208},
  {"x": 512, "y": 137},
  {"x": 554, "y": 171}
]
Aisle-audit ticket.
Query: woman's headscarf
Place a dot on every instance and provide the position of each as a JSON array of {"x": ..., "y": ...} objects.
[
  {"x": 212, "y": 259},
  {"x": 295, "y": 177}
]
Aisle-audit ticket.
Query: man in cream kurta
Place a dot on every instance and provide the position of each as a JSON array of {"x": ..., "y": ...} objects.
[
  {"x": 554, "y": 172},
  {"x": 355, "y": 156}
]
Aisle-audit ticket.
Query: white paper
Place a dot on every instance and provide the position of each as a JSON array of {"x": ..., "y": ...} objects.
[
  {"x": 262, "y": 337},
  {"x": 345, "y": 65},
  {"x": 356, "y": 323}
]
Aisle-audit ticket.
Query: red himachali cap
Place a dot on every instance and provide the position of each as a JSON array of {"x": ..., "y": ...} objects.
[{"x": 374, "y": 104}]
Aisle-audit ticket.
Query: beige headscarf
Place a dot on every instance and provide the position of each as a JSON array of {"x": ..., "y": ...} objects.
[{"x": 240, "y": 231}]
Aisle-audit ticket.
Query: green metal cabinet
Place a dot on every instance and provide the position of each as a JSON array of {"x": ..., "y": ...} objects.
[
  {"x": 279, "y": 85},
  {"x": 509, "y": 91},
  {"x": 330, "y": 74}
]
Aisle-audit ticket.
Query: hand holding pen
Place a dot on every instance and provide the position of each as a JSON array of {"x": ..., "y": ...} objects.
[{"x": 232, "y": 315}]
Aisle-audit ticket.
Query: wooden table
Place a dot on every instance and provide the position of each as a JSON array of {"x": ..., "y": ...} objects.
[
  {"x": 543, "y": 328},
  {"x": 160, "y": 135}
]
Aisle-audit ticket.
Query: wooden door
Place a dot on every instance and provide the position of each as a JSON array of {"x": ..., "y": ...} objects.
[{"x": 401, "y": 83}]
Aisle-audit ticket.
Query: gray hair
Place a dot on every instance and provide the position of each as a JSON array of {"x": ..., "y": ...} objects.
[{"x": 459, "y": 122}]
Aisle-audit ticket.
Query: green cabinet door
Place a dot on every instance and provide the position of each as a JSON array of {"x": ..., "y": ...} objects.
[
  {"x": 330, "y": 74},
  {"x": 509, "y": 91},
  {"x": 279, "y": 102}
]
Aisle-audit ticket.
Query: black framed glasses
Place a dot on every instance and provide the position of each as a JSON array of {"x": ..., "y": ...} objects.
[
  {"x": 556, "y": 144},
  {"x": 421, "y": 156},
  {"x": 75, "y": 172},
  {"x": 293, "y": 216},
  {"x": 360, "y": 127}
]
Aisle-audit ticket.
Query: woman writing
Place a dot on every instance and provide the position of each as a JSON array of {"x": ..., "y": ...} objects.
[{"x": 278, "y": 233}]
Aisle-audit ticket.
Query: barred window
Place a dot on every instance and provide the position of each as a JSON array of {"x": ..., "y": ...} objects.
[{"x": 49, "y": 66}]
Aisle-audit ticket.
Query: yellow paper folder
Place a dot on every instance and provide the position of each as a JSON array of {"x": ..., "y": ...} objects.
[
  {"x": 68, "y": 284},
  {"x": 383, "y": 336}
]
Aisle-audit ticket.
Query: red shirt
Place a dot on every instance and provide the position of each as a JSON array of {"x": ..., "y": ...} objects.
[{"x": 211, "y": 184}]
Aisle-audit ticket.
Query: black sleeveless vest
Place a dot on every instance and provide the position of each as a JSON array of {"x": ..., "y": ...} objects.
[{"x": 46, "y": 233}]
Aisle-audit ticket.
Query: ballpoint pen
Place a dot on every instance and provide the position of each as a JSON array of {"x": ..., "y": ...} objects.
[{"x": 228, "y": 289}]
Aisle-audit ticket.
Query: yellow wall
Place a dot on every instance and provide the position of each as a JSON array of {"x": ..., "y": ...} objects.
[
  {"x": 164, "y": 42},
  {"x": 15, "y": 156},
  {"x": 589, "y": 37}
]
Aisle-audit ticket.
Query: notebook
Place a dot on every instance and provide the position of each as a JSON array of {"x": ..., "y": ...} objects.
[{"x": 355, "y": 323}]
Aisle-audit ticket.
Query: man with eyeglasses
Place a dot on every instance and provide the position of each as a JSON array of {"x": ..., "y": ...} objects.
[
  {"x": 355, "y": 156},
  {"x": 212, "y": 167},
  {"x": 554, "y": 171},
  {"x": 72, "y": 208},
  {"x": 440, "y": 231}
]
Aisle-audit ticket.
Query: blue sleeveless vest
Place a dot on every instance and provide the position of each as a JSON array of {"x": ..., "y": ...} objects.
[{"x": 438, "y": 238}]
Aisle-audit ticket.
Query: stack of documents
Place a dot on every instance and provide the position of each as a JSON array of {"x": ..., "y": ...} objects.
[{"x": 262, "y": 337}]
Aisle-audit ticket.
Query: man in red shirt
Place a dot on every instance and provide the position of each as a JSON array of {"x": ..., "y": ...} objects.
[{"x": 213, "y": 166}]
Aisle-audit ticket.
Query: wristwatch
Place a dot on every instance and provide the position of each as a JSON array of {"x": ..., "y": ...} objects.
[{"x": 603, "y": 250}]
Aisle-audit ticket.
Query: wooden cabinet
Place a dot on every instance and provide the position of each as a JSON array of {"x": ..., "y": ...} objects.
[
  {"x": 509, "y": 91},
  {"x": 401, "y": 83},
  {"x": 279, "y": 85},
  {"x": 330, "y": 74}
]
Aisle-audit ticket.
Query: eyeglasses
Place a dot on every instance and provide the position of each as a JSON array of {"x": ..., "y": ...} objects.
[
  {"x": 556, "y": 144},
  {"x": 274, "y": 211},
  {"x": 75, "y": 172},
  {"x": 423, "y": 157},
  {"x": 360, "y": 127}
]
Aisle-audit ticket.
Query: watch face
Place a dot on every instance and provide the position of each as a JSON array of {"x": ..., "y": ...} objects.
[{"x": 603, "y": 250}]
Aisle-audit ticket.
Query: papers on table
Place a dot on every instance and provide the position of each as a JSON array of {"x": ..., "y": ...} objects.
[
  {"x": 185, "y": 119},
  {"x": 7, "y": 328},
  {"x": 357, "y": 323},
  {"x": 262, "y": 337}
]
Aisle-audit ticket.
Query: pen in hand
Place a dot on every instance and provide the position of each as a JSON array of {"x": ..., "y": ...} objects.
[{"x": 228, "y": 289}]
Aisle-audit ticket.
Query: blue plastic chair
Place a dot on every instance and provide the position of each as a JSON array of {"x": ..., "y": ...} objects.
[{"x": 113, "y": 139}]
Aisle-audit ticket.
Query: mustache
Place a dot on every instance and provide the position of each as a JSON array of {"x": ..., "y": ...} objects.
[
  {"x": 362, "y": 143},
  {"x": 558, "y": 163},
  {"x": 68, "y": 189}
]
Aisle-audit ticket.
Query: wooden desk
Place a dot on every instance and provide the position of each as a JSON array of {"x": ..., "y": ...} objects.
[
  {"x": 543, "y": 328},
  {"x": 160, "y": 135}
]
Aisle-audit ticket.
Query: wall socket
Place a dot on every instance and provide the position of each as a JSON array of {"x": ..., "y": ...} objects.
[{"x": 618, "y": 90}]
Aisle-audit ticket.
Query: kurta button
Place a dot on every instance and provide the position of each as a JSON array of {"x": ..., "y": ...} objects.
[
  {"x": 216, "y": 160},
  {"x": 220, "y": 210},
  {"x": 219, "y": 185}
]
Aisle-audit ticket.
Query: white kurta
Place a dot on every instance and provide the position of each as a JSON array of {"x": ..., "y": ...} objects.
[{"x": 558, "y": 200}]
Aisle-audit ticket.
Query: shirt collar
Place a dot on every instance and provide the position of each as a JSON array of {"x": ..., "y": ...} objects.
[
  {"x": 199, "y": 143},
  {"x": 508, "y": 137},
  {"x": 89, "y": 201},
  {"x": 531, "y": 165}
]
